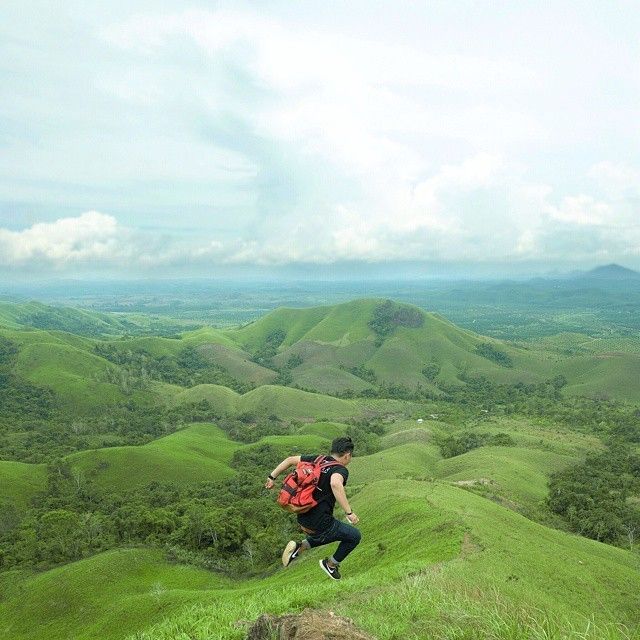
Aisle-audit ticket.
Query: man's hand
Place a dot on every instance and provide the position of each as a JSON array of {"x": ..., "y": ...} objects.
[
  {"x": 269, "y": 484},
  {"x": 353, "y": 518}
]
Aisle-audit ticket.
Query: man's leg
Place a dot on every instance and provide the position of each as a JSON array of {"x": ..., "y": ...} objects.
[{"x": 349, "y": 538}]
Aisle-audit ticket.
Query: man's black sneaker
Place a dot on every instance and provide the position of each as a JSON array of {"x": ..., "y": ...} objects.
[
  {"x": 290, "y": 552},
  {"x": 332, "y": 572}
]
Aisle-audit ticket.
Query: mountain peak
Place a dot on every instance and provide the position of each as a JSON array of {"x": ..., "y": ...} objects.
[{"x": 611, "y": 272}]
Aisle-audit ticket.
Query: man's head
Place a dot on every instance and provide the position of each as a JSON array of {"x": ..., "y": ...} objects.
[{"x": 342, "y": 449}]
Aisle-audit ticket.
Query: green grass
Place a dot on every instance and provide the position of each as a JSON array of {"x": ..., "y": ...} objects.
[
  {"x": 436, "y": 561},
  {"x": 77, "y": 377},
  {"x": 613, "y": 375},
  {"x": 328, "y": 379},
  {"x": 293, "y": 403},
  {"x": 224, "y": 400},
  {"x": 266, "y": 400},
  {"x": 406, "y": 461},
  {"x": 198, "y": 453},
  {"x": 20, "y": 482},
  {"x": 298, "y": 444},
  {"x": 329, "y": 430},
  {"x": 237, "y": 363},
  {"x": 137, "y": 586},
  {"x": 517, "y": 473}
]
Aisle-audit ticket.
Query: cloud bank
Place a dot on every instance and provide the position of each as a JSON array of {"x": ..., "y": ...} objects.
[{"x": 283, "y": 135}]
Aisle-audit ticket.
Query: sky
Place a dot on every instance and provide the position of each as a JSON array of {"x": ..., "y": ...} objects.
[{"x": 151, "y": 139}]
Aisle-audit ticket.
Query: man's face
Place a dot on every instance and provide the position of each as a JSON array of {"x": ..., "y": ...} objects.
[{"x": 347, "y": 457}]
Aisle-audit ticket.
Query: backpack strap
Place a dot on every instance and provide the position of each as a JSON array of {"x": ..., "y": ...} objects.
[{"x": 326, "y": 464}]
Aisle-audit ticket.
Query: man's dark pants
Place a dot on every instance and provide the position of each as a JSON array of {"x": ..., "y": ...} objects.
[{"x": 347, "y": 534}]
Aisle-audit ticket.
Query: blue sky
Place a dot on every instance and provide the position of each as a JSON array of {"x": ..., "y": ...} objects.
[{"x": 164, "y": 138}]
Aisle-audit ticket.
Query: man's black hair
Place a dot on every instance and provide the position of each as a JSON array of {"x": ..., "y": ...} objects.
[{"x": 342, "y": 445}]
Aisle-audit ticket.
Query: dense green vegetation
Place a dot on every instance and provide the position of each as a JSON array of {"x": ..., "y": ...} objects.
[
  {"x": 389, "y": 315},
  {"x": 188, "y": 368},
  {"x": 489, "y": 351},
  {"x": 598, "y": 498},
  {"x": 228, "y": 526}
]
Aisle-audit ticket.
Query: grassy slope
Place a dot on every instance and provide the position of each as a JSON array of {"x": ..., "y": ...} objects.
[
  {"x": 69, "y": 601},
  {"x": 339, "y": 335},
  {"x": 226, "y": 401},
  {"x": 17, "y": 315},
  {"x": 197, "y": 453},
  {"x": 281, "y": 401},
  {"x": 430, "y": 558},
  {"x": 290, "y": 403},
  {"x": 521, "y": 474},
  {"x": 20, "y": 482},
  {"x": 237, "y": 363},
  {"x": 328, "y": 379},
  {"x": 615, "y": 375},
  {"x": 74, "y": 374},
  {"x": 329, "y": 430}
]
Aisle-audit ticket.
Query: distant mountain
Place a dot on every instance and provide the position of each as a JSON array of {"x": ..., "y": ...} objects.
[{"x": 610, "y": 272}]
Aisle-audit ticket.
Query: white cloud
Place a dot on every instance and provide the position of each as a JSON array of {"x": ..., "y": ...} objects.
[
  {"x": 582, "y": 210},
  {"x": 91, "y": 236}
]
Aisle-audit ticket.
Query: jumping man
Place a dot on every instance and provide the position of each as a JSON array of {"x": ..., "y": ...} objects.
[{"x": 318, "y": 523}]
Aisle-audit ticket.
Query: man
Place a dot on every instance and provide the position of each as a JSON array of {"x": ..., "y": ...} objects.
[{"x": 318, "y": 523}]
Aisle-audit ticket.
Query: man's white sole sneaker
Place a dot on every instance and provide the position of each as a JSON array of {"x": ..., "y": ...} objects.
[
  {"x": 288, "y": 552},
  {"x": 334, "y": 574}
]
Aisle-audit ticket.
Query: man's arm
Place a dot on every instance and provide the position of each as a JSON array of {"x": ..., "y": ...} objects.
[
  {"x": 285, "y": 464},
  {"x": 337, "y": 486}
]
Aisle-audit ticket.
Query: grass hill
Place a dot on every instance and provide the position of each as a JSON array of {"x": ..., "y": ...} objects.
[
  {"x": 237, "y": 363},
  {"x": 35, "y": 315},
  {"x": 197, "y": 453},
  {"x": 327, "y": 350},
  {"x": 139, "y": 585},
  {"x": 613, "y": 375},
  {"x": 20, "y": 482},
  {"x": 78, "y": 377},
  {"x": 330, "y": 344}
]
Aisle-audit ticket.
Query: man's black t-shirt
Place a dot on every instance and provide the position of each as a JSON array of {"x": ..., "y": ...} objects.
[{"x": 321, "y": 516}]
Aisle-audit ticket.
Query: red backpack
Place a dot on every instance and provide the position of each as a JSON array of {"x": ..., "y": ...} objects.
[{"x": 296, "y": 495}]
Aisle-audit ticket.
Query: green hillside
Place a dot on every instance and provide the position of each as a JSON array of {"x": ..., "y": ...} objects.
[
  {"x": 225, "y": 401},
  {"x": 613, "y": 375},
  {"x": 78, "y": 377},
  {"x": 237, "y": 363},
  {"x": 200, "y": 452},
  {"x": 138, "y": 586},
  {"x": 289, "y": 403},
  {"x": 20, "y": 482},
  {"x": 37, "y": 315},
  {"x": 329, "y": 430},
  {"x": 516, "y": 473},
  {"x": 330, "y": 342}
]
